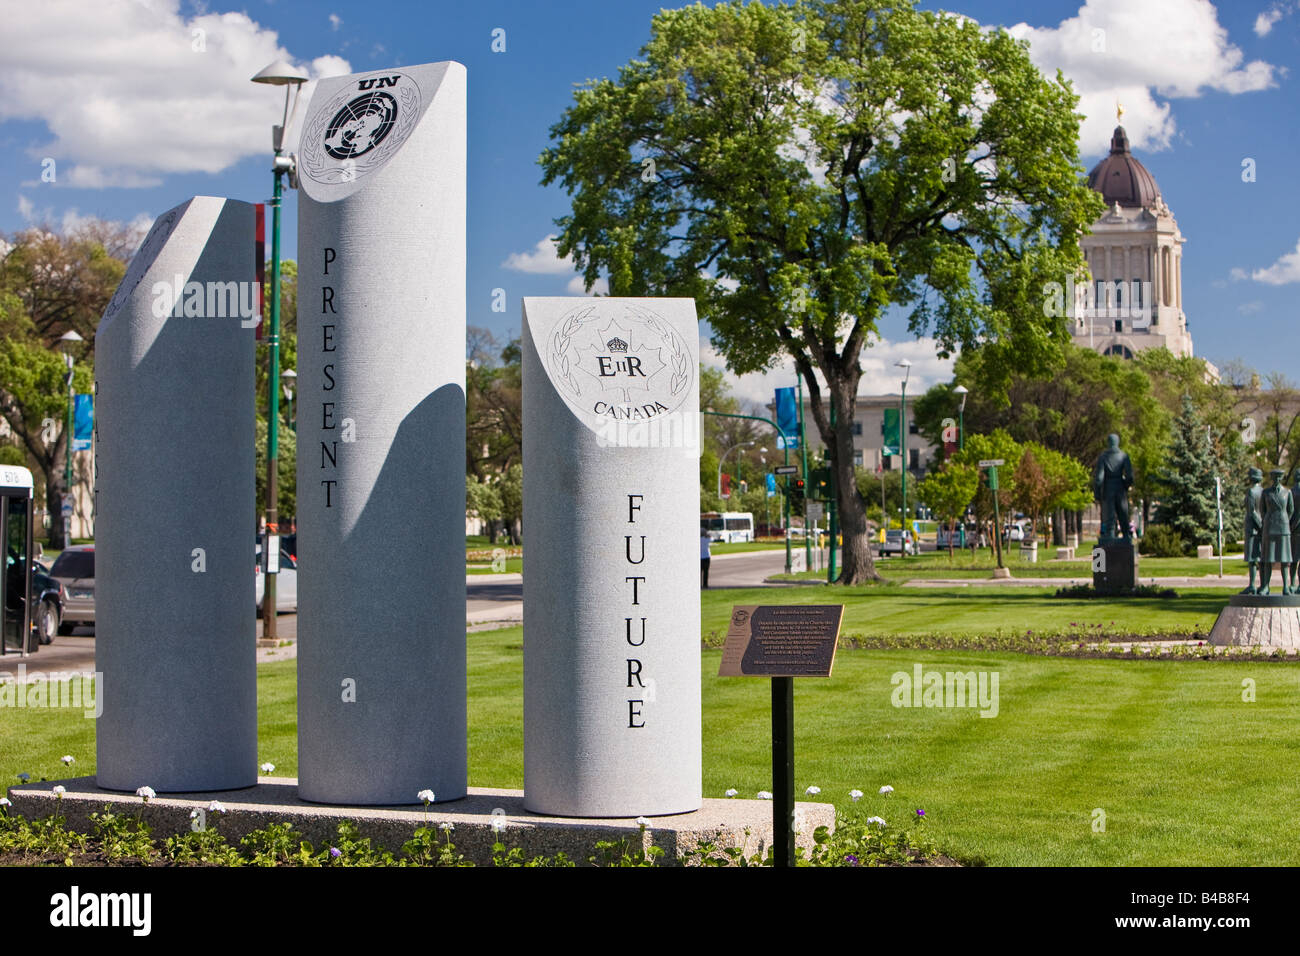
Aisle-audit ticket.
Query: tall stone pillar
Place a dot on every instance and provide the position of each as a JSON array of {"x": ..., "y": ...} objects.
[
  {"x": 174, "y": 506},
  {"x": 611, "y": 517},
  {"x": 381, "y": 438}
]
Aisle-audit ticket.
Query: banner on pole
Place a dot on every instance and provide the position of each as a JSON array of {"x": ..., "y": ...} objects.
[
  {"x": 889, "y": 433},
  {"x": 83, "y": 422},
  {"x": 787, "y": 418}
]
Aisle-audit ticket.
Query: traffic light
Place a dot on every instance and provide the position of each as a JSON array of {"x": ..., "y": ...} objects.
[{"x": 821, "y": 482}]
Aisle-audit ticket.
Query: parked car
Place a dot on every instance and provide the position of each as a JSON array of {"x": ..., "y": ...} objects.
[
  {"x": 897, "y": 540},
  {"x": 47, "y": 596},
  {"x": 74, "y": 569},
  {"x": 286, "y": 584}
]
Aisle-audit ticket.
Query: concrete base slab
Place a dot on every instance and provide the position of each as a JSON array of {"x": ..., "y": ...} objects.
[
  {"x": 1002, "y": 572},
  {"x": 726, "y": 823},
  {"x": 1253, "y": 620}
]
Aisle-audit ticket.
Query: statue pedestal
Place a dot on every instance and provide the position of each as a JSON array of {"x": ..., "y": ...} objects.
[
  {"x": 1267, "y": 620},
  {"x": 1115, "y": 567}
]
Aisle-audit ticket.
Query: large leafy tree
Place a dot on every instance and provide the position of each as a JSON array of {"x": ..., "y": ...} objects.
[
  {"x": 948, "y": 492},
  {"x": 800, "y": 169}
]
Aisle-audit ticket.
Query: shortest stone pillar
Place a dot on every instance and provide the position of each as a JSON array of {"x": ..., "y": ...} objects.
[{"x": 1115, "y": 566}]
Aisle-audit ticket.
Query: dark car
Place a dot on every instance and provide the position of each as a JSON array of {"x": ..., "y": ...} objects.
[
  {"x": 47, "y": 600},
  {"x": 75, "y": 570}
]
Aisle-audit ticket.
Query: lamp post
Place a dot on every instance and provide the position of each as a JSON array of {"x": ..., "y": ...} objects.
[
  {"x": 291, "y": 78},
  {"x": 289, "y": 377},
  {"x": 963, "y": 391},
  {"x": 68, "y": 336},
  {"x": 743, "y": 444},
  {"x": 906, "y": 366}
]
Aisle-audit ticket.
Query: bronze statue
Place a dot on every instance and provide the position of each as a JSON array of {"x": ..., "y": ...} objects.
[
  {"x": 1253, "y": 544},
  {"x": 1112, "y": 477},
  {"x": 1276, "y": 511},
  {"x": 1295, "y": 533}
]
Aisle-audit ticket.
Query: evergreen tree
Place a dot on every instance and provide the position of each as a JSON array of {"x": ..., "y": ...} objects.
[{"x": 1187, "y": 483}]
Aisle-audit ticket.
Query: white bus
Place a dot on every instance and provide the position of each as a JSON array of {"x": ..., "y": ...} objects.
[{"x": 728, "y": 526}]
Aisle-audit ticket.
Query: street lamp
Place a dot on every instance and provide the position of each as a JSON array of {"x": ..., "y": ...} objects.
[
  {"x": 906, "y": 366},
  {"x": 289, "y": 377},
  {"x": 743, "y": 444},
  {"x": 963, "y": 391},
  {"x": 291, "y": 78}
]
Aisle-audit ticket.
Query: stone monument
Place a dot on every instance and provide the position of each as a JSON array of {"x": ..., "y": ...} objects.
[
  {"x": 1115, "y": 559},
  {"x": 611, "y": 517},
  {"x": 381, "y": 470},
  {"x": 174, "y": 508}
]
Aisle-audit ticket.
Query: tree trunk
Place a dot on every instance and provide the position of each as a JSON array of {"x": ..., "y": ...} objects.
[
  {"x": 859, "y": 565},
  {"x": 1058, "y": 527}
]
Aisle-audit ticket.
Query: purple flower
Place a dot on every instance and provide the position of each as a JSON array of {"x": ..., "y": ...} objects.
[
  {"x": 851, "y": 860},
  {"x": 335, "y": 852},
  {"x": 920, "y": 813}
]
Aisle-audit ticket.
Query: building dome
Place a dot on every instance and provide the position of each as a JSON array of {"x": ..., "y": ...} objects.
[{"x": 1120, "y": 178}]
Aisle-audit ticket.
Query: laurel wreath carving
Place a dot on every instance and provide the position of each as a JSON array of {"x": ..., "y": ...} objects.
[
  {"x": 560, "y": 347},
  {"x": 142, "y": 260}
]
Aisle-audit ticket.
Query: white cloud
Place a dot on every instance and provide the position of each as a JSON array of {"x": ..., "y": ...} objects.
[
  {"x": 1264, "y": 22},
  {"x": 1286, "y": 270},
  {"x": 336, "y": 21},
  {"x": 1237, "y": 274},
  {"x": 1120, "y": 51},
  {"x": 542, "y": 260},
  {"x": 577, "y": 286},
  {"x": 25, "y": 207},
  {"x": 130, "y": 91},
  {"x": 1250, "y": 308},
  {"x": 879, "y": 374}
]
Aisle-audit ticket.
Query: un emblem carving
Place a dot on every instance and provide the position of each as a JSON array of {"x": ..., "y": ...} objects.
[{"x": 360, "y": 128}]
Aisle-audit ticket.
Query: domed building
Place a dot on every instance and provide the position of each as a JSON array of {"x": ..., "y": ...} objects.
[{"x": 1135, "y": 256}]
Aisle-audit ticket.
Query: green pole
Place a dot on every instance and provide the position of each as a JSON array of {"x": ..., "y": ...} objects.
[
  {"x": 803, "y": 448},
  {"x": 902, "y": 454},
  {"x": 272, "y": 416}
]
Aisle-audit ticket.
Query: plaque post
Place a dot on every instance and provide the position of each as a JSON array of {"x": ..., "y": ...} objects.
[{"x": 783, "y": 770}]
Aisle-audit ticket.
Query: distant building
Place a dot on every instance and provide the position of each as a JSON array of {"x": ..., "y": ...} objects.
[{"x": 1135, "y": 256}]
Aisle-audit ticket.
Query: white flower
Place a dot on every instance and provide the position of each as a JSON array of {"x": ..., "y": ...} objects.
[
  {"x": 764, "y": 795},
  {"x": 877, "y": 820},
  {"x": 425, "y": 795},
  {"x": 194, "y": 814},
  {"x": 215, "y": 807},
  {"x": 68, "y": 759},
  {"x": 813, "y": 791},
  {"x": 732, "y": 792},
  {"x": 446, "y": 827},
  {"x": 643, "y": 821},
  {"x": 4, "y": 802},
  {"x": 268, "y": 767},
  {"x": 60, "y": 790},
  {"x": 498, "y": 824},
  {"x": 886, "y": 789},
  {"x": 147, "y": 793},
  {"x": 855, "y": 795}
]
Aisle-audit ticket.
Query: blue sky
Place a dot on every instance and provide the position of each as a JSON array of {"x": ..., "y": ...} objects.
[{"x": 138, "y": 118}]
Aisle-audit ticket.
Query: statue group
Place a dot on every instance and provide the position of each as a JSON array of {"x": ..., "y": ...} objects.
[{"x": 1272, "y": 532}]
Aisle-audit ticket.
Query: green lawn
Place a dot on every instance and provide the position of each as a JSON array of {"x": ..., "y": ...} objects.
[
  {"x": 1185, "y": 772},
  {"x": 937, "y": 564},
  {"x": 978, "y": 611}
]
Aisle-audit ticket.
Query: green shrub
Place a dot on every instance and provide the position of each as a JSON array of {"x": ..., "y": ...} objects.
[{"x": 1161, "y": 541}]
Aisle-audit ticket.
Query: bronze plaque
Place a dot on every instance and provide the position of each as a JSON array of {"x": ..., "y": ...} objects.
[{"x": 781, "y": 640}]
